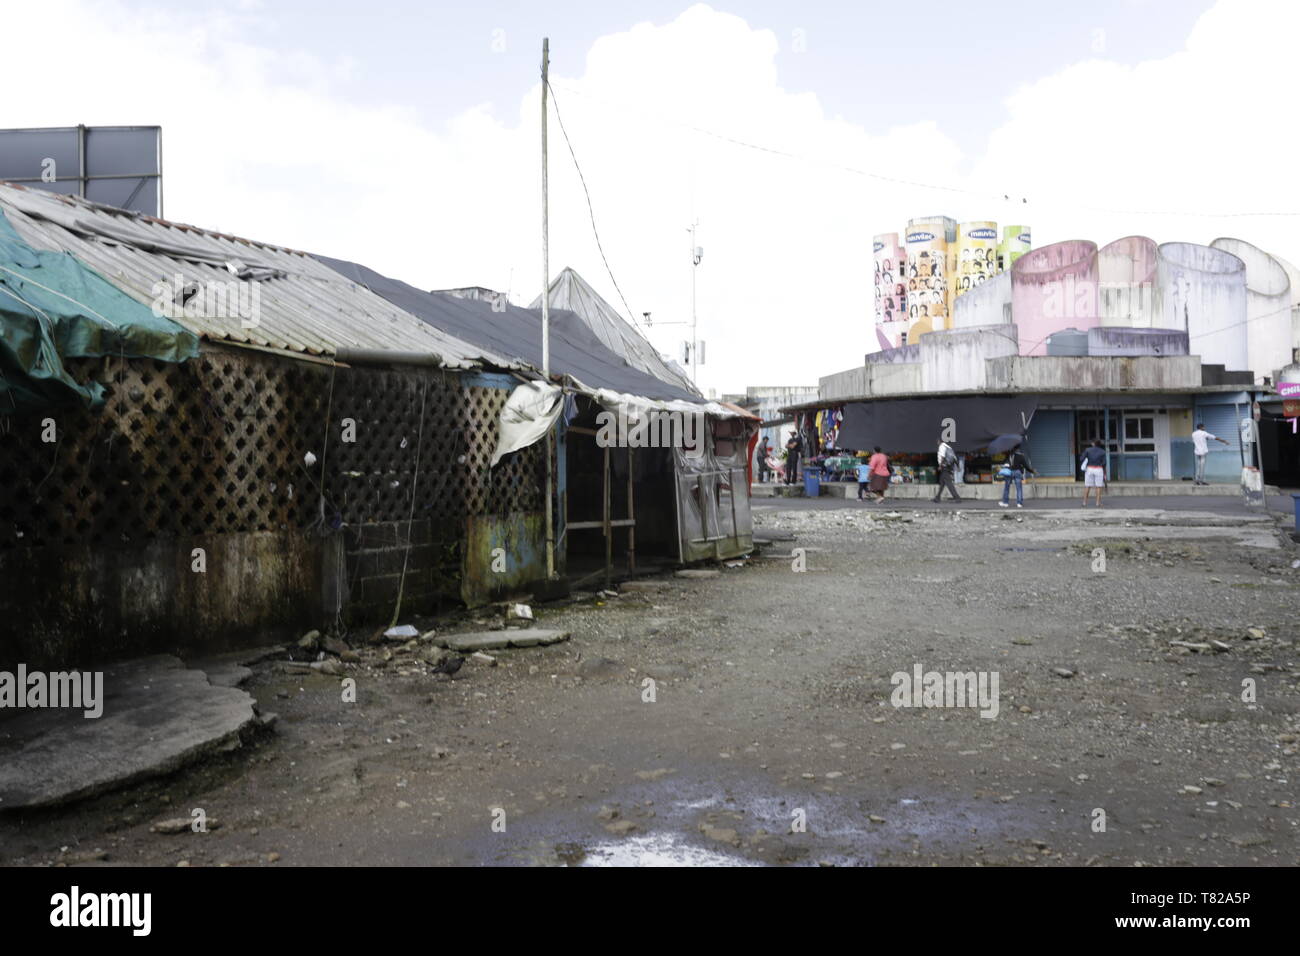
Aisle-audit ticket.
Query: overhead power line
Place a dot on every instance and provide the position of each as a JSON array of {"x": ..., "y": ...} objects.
[
  {"x": 590, "y": 210},
  {"x": 939, "y": 187}
]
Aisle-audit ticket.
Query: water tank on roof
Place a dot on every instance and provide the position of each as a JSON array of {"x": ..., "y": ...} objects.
[{"x": 1067, "y": 342}]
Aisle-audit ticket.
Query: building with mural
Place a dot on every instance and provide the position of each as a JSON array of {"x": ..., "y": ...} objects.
[
  {"x": 919, "y": 278},
  {"x": 1133, "y": 343}
]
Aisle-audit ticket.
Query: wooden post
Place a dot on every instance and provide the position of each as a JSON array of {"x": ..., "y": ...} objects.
[
  {"x": 631, "y": 513},
  {"x": 609, "y": 531}
]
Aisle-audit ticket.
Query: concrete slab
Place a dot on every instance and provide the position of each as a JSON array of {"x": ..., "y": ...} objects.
[
  {"x": 158, "y": 716},
  {"x": 489, "y": 640},
  {"x": 233, "y": 667},
  {"x": 698, "y": 574},
  {"x": 654, "y": 584}
]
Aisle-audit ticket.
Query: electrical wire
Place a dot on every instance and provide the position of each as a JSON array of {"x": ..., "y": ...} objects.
[
  {"x": 939, "y": 187},
  {"x": 590, "y": 210},
  {"x": 410, "y": 520}
]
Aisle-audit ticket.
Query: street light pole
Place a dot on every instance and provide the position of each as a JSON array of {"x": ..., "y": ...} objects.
[{"x": 696, "y": 255}]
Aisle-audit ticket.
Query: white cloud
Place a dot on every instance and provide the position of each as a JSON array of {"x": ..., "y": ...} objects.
[{"x": 264, "y": 143}]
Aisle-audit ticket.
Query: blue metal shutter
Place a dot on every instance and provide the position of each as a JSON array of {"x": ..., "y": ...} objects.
[
  {"x": 1224, "y": 464},
  {"x": 1051, "y": 437},
  {"x": 1222, "y": 420}
]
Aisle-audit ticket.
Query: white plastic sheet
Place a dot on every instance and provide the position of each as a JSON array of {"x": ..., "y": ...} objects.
[{"x": 529, "y": 413}]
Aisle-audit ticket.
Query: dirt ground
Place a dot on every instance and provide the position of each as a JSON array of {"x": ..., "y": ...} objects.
[{"x": 771, "y": 738}]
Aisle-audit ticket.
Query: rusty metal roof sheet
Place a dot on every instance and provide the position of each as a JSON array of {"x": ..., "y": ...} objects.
[{"x": 304, "y": 306}]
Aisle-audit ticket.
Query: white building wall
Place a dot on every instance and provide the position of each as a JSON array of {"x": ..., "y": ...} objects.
[
  {"x": 1268, "y": 308},
  {"x": 986, "y": 304},
  {"x": 1126, "y": 278},
  {"x": 1294, "y": 275},
  {"x": 1203, "y": 292}
]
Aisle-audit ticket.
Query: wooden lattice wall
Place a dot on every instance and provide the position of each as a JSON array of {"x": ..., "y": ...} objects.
[{"x": 217, "y": 445}]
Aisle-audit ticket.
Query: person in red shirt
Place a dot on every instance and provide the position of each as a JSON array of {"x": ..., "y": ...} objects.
[{"x": 878, "y": 467}]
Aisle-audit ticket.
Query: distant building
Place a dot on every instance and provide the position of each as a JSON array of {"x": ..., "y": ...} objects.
[
  {"x": 1132, "y": 344},
  {"x": 767, "y": 402}
]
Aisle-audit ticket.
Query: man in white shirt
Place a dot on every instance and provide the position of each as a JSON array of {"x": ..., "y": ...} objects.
[
  {"x": 946, "y": 459},
  {"x": 1201, "y": 447}
]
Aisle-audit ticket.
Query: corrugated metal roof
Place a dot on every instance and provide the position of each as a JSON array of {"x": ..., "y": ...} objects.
[
  {"x": 305, "y": 306},
  {"x": 571, "y": 291}
]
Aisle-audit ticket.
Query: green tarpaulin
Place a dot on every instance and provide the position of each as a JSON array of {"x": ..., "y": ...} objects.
[{"x": 52, "y": 307}]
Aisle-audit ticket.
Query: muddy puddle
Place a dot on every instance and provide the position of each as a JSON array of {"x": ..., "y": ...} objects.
[{"x": 688, "y": 821}]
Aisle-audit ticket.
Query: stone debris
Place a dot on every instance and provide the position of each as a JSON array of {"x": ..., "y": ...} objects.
[
  {"x": 402, "y": 632},
  {"x": 482, "y": 658},
  {"x": 335, "y": 646},
  {"x": 490, "y": 640},
  {"x": 183, "y": 825},
  {"x": 698, "y": 574}
]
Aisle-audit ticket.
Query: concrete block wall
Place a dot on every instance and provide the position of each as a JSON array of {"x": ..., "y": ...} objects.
[
  {"x": 374, "y": 556},
  {"x": 1054, "y": 373}
]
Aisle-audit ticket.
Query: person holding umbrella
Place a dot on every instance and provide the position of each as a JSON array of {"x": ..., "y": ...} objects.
[{"x": 1019, "y": 466}]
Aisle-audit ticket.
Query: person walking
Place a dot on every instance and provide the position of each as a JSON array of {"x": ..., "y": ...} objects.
[
  {"x": 792, "y": 448},
  {"x": 947, "y": 459},
  {"x": 863, "y": 469},
  {"x": 1094, "y": 470},
  {"x": 764, "y": 450},
  {"x": 878, "y": 466},
  {"x": 1018, "y": 466},
  {"x": 1201, "y": 447}
]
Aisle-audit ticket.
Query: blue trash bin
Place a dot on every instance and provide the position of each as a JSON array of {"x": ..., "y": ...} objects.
[
  {"x": 812, "y": 483},
  {"x": 1296, "y": 501}
]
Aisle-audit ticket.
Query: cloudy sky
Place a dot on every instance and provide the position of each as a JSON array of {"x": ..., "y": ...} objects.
[{"x": 405, "y": 134}]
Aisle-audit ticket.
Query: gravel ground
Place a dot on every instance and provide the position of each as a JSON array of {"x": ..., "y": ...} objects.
[{"x": 771, "y": 738}]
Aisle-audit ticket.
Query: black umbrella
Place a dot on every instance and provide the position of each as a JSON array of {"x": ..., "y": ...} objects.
[{"x": 1004, "y": 443}]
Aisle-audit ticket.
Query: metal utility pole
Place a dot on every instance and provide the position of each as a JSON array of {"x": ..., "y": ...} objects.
[
  {"x": 546, "y": 321},
  {"x": 697, "y": 254}
]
